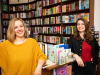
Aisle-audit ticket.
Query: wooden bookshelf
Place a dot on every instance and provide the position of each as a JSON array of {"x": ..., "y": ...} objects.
[{"x": 91, "y": 20}]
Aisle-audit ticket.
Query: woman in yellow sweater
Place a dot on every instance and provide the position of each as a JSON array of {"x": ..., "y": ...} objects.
[{"x": 20, "y": 55}]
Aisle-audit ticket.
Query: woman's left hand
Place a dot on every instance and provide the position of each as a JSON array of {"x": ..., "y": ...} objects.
[{"x": 38, "y": 71}]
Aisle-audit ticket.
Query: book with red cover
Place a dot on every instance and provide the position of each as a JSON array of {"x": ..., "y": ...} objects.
[{"x": 62, "y": 70}]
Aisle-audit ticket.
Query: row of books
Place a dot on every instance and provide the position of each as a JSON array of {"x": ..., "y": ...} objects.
[
  {"x": 19, "y": 15},
  {"x": 37, "y": 21},
  {"x": 78, "y": 5},
  {"x": 32, "y": 6},
  {"x": 38, "y": 12},
  {"x": 52, "y": 30},
  {"x": 52, "y": 20},
  {"x": 36, "y": 30},
  {"x": 59, "y": 54},
  {"x": 38, "y": 4},
  {"x": 5, "y": 16},
  {"x": 4, "y": 30},
  {"x": 5, "y": 23},
  {"x": 19, "y": 8},
  {"x": 37, "y": 37},
  {"x": 68, "y": 29},
  {"x": 50, "y": 2},
  {"x": 63, "y": 70},
  {"x": 53, "y": 10},
  {"x": 73, "y": 18},
  {"x": 52, "y": 39}
]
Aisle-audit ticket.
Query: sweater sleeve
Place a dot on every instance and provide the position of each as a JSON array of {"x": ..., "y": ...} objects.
[
  {"x": 70, "y": 44},
  {"x": 40, "y": 54}
]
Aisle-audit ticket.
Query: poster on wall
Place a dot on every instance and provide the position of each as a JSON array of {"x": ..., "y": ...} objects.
[
  {"x": 4, "y": 7},
  {"x": 5, "y": 1}
]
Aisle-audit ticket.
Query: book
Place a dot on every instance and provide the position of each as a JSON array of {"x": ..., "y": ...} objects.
[
  {"x": 4, "y": 7},
  {"x": 61, "y": 70}
]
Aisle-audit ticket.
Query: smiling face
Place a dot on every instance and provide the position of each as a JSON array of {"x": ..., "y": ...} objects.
[
  {"x": 80, "y": 26},
  {"x": 19, "y": 29}
]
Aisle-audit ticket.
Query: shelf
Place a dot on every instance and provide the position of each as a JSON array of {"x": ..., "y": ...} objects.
[
  {"x": 35, "y": 25},
  {"x": 67, "y": 34},
  {"x": 25, "y": 18},
  {"x": 75, "y": 12},
  {"x": 68, "y": 2},
  {"x": 32, "y": 10},
  {"x": 52, "y": 34},
  {"x": 5, "y": 26},
  {"x": 56, "y": 66},
  {"x": 35, "y": 17},
  {"x": 69, "y": 24},
  {"x": 18, "y": 11},
  {"x": 33, "y": 2},
  {"x": 49, "y": 43},
  {"x": 51, "y": 25},
  {"x": 5, "y": 19},
  {"x": 52, "y": 15},
  {"x": 4, "y": 33},
  {"x": 5, "y": 12},
  {"x": 52, "y": 5},
  {"x": 18, "y": 4}
]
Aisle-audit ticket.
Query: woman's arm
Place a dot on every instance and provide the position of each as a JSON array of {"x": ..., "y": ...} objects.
[
  {"x": 38, "y": 70},
  {"x": 78, "y": 59}
]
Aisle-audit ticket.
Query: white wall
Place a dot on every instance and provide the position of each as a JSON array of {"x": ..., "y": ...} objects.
[{"x": 97, "y": 15}]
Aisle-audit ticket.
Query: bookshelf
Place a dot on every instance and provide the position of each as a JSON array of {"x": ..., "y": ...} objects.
[
  {"x": 32, "y": 18},
  {"x": 4, "y": 17}
]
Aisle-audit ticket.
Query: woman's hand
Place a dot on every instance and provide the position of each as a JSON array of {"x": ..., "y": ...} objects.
[
  {"x": 78, "y": 60},
  {"x": 38, "y": 70}
]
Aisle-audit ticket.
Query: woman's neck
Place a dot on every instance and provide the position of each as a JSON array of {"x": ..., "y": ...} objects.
[
  {"x": 82, "y": 35},
  {"x": 19, "y": 40}
]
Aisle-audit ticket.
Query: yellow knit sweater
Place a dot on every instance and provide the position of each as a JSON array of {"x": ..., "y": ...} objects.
[{"x": 20, "y": 59}]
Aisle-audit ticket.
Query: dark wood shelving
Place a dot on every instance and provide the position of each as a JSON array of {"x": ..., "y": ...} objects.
[
  {"x": 69, "y": 24},
  {"x": 32, "y": 10},
  {"x": 18, "y": 11},
  {"x": 52, "y": 34},
  {"x": 25, "y": 18},
  {"x": 76, "y": 12},
  {"x": 18, "y": 4},
  {"x": 5, "y": 12},
  {"x": 5, "y": 26},
  {"x": 68, "y": 2},
  {"x": 4, "y": 33},
  {"x": 52, "y": 15},
  {"x": 52, "y": 5},
  {"x": 35, "y": 25},
  {"x": 33, "y": 2},
  {"x": 50, "y": 43},
  {"x": 6, "y": 19},
  {"x": 44, "y": 25},
  {"x": 67, "y": 34}
]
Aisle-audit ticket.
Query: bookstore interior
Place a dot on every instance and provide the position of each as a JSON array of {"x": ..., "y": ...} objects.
[{"x": 50, "y": 23}]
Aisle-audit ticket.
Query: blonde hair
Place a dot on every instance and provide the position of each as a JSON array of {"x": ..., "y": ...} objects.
[{"x": 11, "y": 33}]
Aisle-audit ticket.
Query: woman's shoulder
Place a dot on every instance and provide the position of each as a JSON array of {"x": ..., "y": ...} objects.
[
  {"x": 31, "y": 39},
  {"x": 72, "y": 37},
  {"x": 4, "y": 43}
]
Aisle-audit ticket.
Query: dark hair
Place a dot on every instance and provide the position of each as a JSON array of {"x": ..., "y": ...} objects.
[{"x": 87, "y": 33}]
